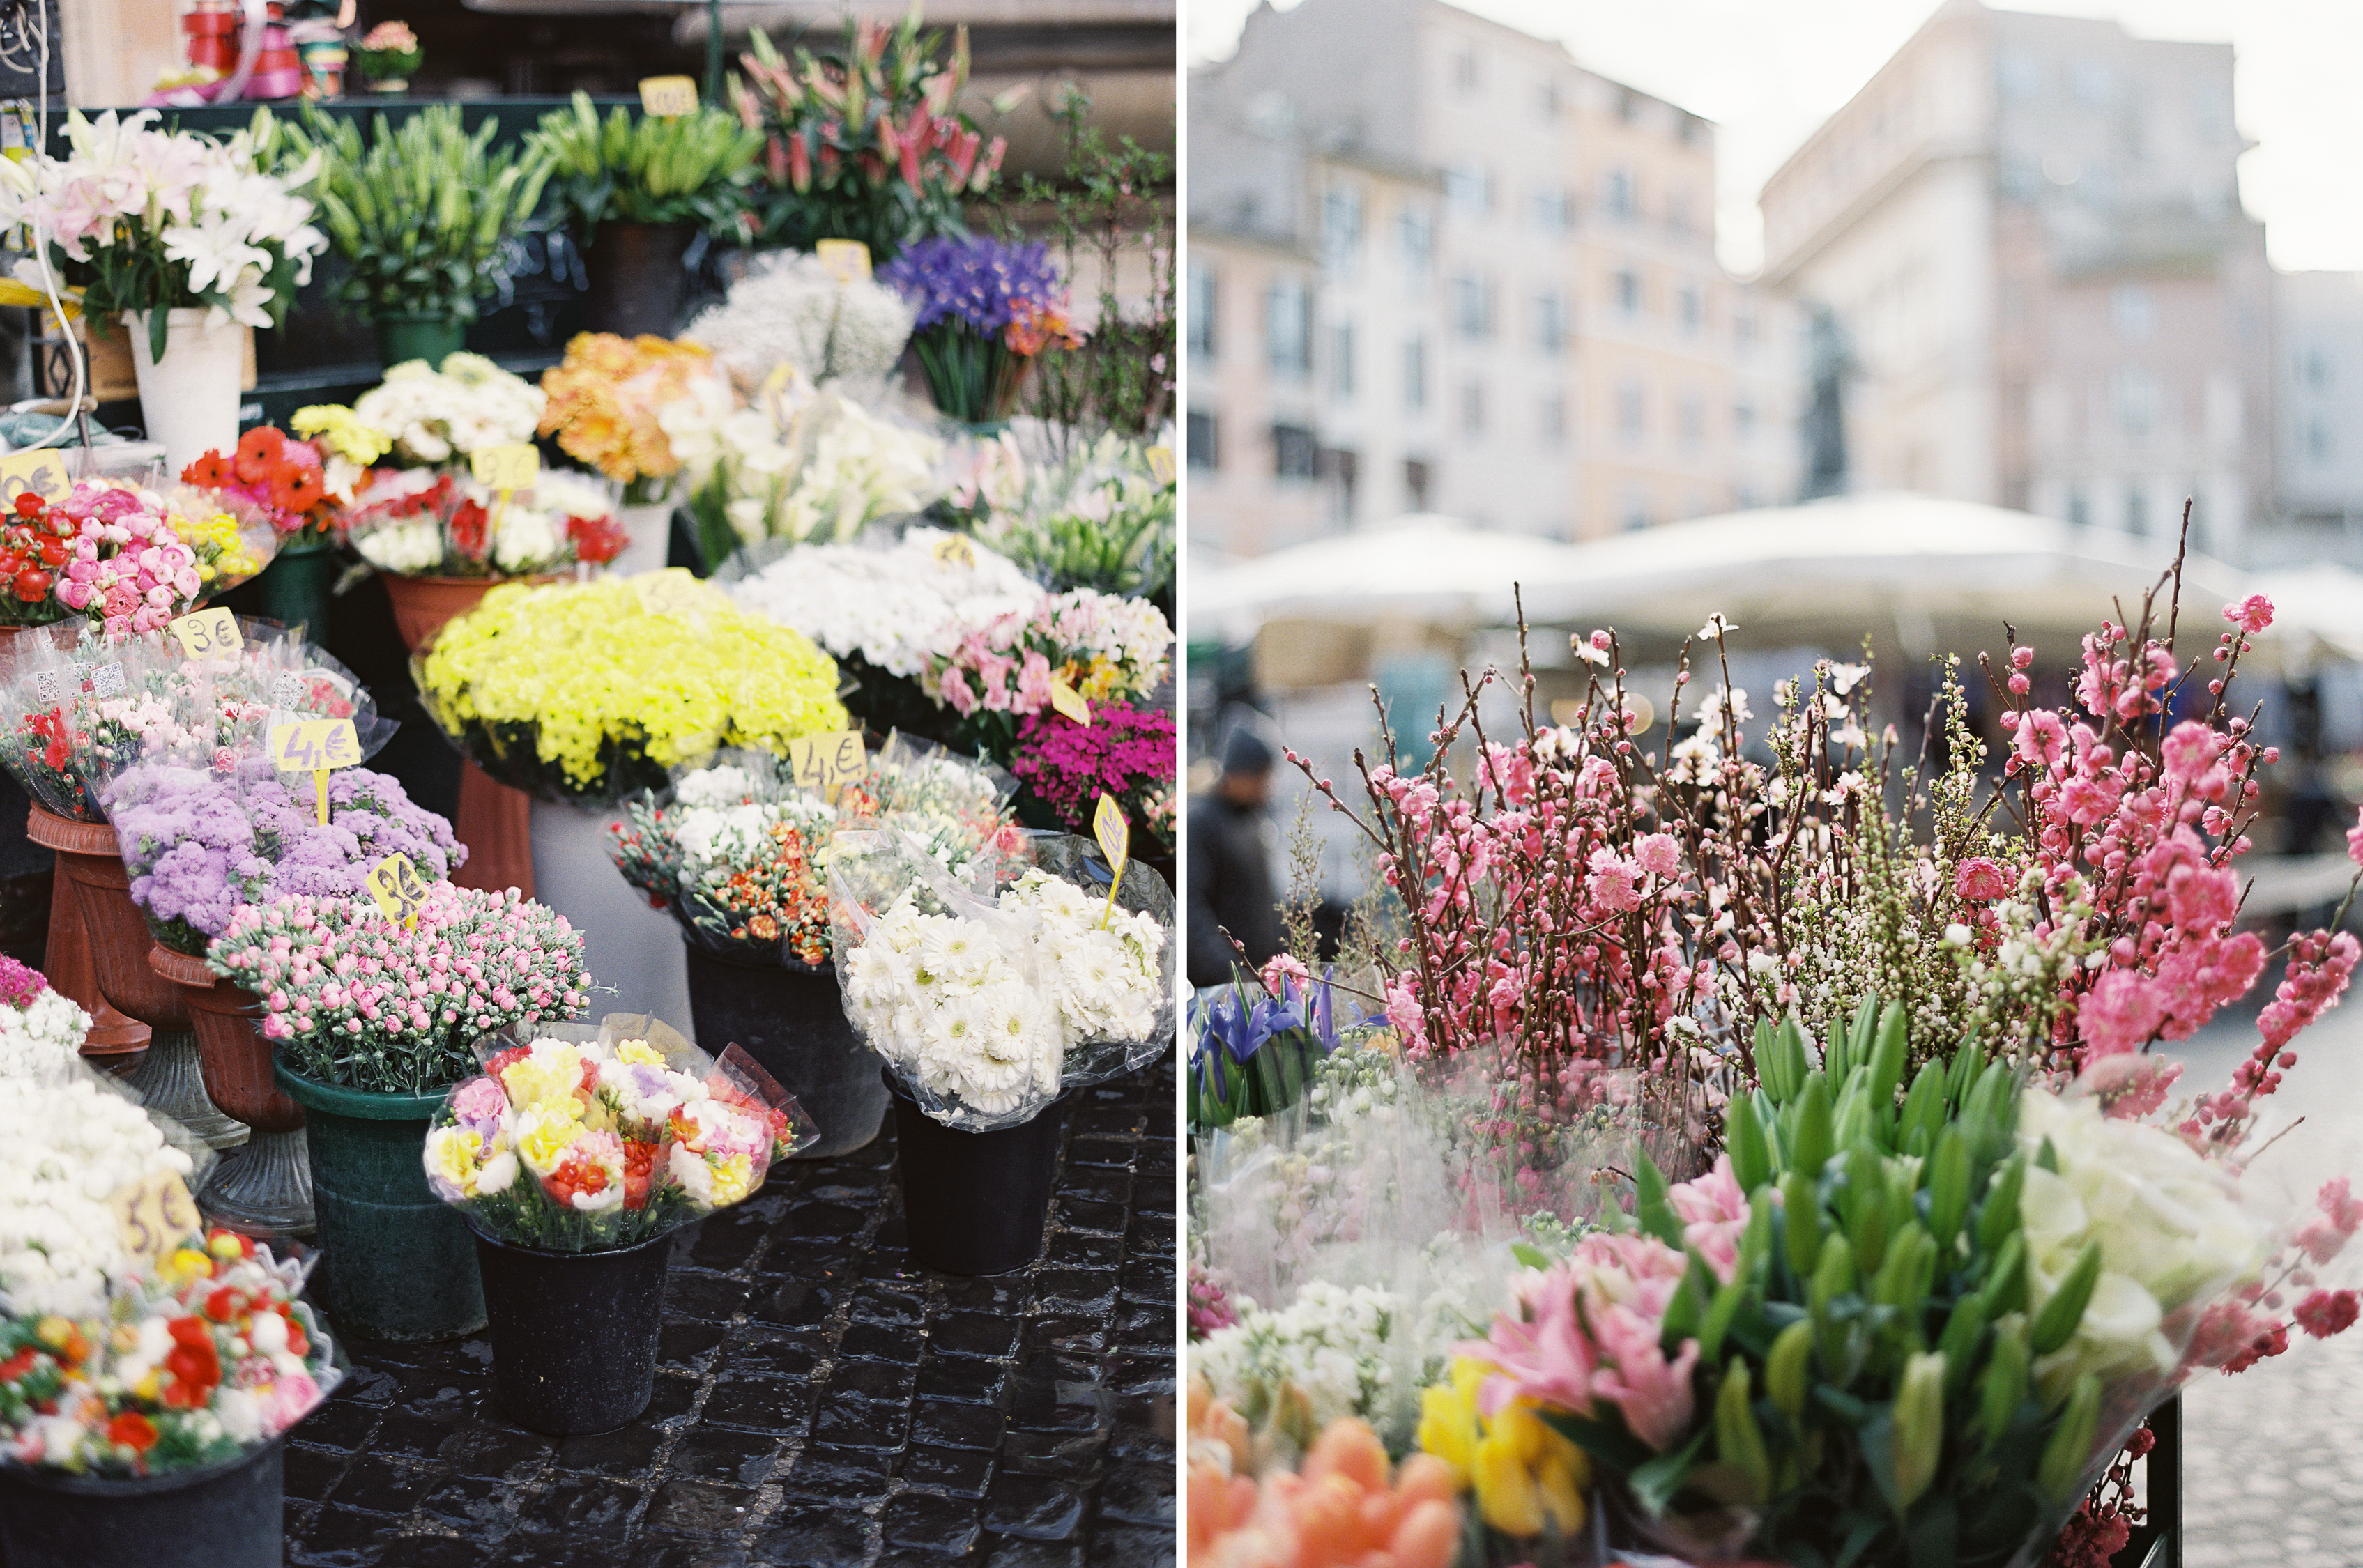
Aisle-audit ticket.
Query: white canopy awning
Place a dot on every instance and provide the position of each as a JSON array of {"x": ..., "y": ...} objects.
[{"x": 1422, "y": 565}]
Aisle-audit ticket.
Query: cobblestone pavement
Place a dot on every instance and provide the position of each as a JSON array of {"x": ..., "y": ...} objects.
[
  {"x": 2270, "y": 1476},
  {"x": 820, "y": 1400}
]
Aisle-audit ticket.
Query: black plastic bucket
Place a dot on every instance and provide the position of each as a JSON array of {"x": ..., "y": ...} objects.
[
  {"x": 574, "y": 1334},
  {"x": 976, "y": 1202},
  {"x": 790, "y": 1018},
  {"x": 230, "y": 1515}
]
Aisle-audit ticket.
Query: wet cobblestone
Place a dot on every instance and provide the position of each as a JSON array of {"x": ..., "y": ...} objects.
[{"x": 820, "y": 1399}]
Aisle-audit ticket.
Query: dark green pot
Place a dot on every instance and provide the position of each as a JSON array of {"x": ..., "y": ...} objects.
[
  {"x": 401, "y": 339},
  {"x": 397, "y": 1262},
  {"x": 294, "y": 588}
]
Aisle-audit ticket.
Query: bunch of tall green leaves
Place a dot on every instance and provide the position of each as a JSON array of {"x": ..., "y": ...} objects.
[{"x": 695, "y": 169}]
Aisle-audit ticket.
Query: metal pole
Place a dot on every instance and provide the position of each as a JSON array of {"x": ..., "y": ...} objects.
[{"x": 714, "y": 53}]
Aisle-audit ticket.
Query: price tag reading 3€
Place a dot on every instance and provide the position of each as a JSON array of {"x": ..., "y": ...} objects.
[
  {"x": 513, "y": 467},
  {"x": 827, "y": 763},
  {"x": 394, "y": 883},
  {"x": 208, "y": 633},
  {"x": 1069, "y": 701},
  {"x": 667, "y": 97},
  {"x": 154, "y": 1215},
  {"x": 848, "y": 261}
]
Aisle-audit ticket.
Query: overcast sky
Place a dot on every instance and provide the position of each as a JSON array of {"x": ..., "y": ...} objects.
[{"x": 1770, "y": 71}]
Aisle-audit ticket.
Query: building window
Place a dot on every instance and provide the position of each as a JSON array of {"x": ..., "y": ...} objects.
[
  {"x": 1550, "y": 321},
  {"x": 1416, "y": 242},
  {"x": 1677, "y": 213},
  {"x": 1342, "y": 361},
  {"x": 1472, "y": 305},
  {"x": 2080, "y": 509},
  {"x": 1473, "y": 409},
  {"x": 1202, "y": 439},
  {"x": 1550, "y": 418},
  {"x": 1295, "y": 453},
  {"x": 1692, "y": 304},
  {"x": 1688, "y": 129},
  {"x": 1415, "y": 374},
  {"x": 1617, "y": 196},
  {"x": 2136, "y": 396},
  {"x": 2318, "y": 444},
  {"x": 1628, "y": 105},
  {"x": 2313, "y": 369},
  {"x": 1467, "y": 71},
  {"x": 1551, "y": 212},
  {"x": 1470, "y": 188},
  {"x": 1690, "y": 419},
  {"x": 1202, "y": 311},
  {"x": 1415, "y": 483},
  {"x": 1743, "y": 420},
  {"x": 1288, "y": 328},
  {"x": 1629, "y": 411},
  {"x": 1341, "y": 224},
  {"x": 2134, "y": 312},
  {"x": 1627, "y": 285},
  {"x": 1547, "y": 99},
  {"x": 1341, "y": 469},
  {"x": 1636, "y": 512},
  {"x": 1743, "y": 329}
]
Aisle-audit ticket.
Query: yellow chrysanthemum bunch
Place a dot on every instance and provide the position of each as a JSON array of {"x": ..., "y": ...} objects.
[
  {"x": 660, "y": 662},
  {"x": 220, "y": 547},
  {"x": 603, "y": 398},
  {"x": 1524, "y": 1473}
]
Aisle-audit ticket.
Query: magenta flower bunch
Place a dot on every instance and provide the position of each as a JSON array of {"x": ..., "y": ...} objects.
[
  {"x": 20, "y": 983},
  {"x": 356, "y": 1000},
  {"x": 1127, "y": 752},
  {"x": 199, "y": 843}
]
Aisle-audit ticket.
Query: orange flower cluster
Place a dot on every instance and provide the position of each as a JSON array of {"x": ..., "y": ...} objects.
[
  {"x": 1341, "y": 1510},
  {"x": 1034, "y": 326},
  {"x": 603, "y": 398}
]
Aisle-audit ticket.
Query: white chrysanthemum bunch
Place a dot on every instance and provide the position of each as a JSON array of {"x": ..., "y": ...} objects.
[
  {"x": 40, "y": 1041},
  {"x": 949, "y": 1002},
  {"x": 1331, "y": 1344},
  {"x": 795, "y": 312},
  {"x": 896, "y": 607},
  {"x": 72, "y": 1145},
  {"x": 469, "y": 403},
  {"x": 1102, "y": 979}
]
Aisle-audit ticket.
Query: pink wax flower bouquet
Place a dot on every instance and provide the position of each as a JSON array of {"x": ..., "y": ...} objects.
[{"x": 358, "y": 1001}]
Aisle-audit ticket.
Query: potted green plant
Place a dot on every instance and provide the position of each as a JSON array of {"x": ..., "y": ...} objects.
[
  {"x": 371, "y": 1063},
  {"x": 420, "y": 212},
  {"x": 636, "y": 191},
  {"x": 388, "y": 54}
]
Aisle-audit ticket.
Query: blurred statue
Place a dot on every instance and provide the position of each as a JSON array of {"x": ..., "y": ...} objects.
[{"x": 1831, "y": 363}]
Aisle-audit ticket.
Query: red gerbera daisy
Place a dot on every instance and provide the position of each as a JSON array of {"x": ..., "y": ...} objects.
[
  {"x": 299, "y": 490},
  {"x": 263, "y": 443},
  {"x": 209, "y": 472}
]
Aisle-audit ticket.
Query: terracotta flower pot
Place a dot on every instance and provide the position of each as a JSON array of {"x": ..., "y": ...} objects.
[
  {"x": 87, "y": 860},
  {"x": 495, "y": 821},
  {"x": 266, "y": 1188}
]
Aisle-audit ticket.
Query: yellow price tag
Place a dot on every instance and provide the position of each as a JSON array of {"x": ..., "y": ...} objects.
[
  {"x": 154, "y": 1215},
  {"x": 314, "y": 746},
  {"x": 1114, "y": 834},
  {"x": 514, "y": 467},
  {"x": 394, "y": 883},
  {"x": 42, "y": 472},
  {"x": 848, "y": 261},
  {"x": 954, "y": 550},
  {"x": 1068, "y": 700},
  {"x": 208, "y": 633},
  {"x": 827, "y": 763},
  {"x": 667, "y": 97},
  {"x": 1161, "y": 464}
]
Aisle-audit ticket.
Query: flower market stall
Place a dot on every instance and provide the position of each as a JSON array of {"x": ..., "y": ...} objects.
[{"x": 1758, "y": 1145}]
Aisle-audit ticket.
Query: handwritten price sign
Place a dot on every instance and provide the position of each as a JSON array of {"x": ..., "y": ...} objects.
[
  {"x": 208, "y": 633},
  {"x": 1161, "y": 464},
  {"x": 394, "y": 883},
  {"x": 667, "y": 97},
  {"x": 848, "y": 261},
  {"x": 514, "y": 467},
  {"x": 42, "y": 472},
  {"x": 154, "y": 1215},
  {"x": 1114, "y": 834},
  {"x": 1070, "y": 702},
  {"x": 954, "y": 550},
  {"x": 314, "y": 746},
  {"x": 826, "y": 764}
]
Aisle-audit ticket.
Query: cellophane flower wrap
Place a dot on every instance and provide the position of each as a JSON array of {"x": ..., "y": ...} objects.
[
  {"x": 990, "y": 997},
  {"x": 354, "y": 999},
  {"x": 80, "y": 705},
  {"x": 115, "y": 555},
  {"x": 201, "y": 841},
  {"x": 794, "y": 311},
  {"x": 578, "y": 1138},
  {"x": 584, "y": 693},
  {"x": 441, "y": 522},
  {"x": 210, "y": 1355},
  {"x": 738, "y": 851},
  {"x": 269, "y": 483}
]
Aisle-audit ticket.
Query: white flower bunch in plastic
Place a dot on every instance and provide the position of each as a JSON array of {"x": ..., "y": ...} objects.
[
  {"x": 1101, "y": 979},
  {"x": 71, "y": 1146},
  {"x": 949, "y": 1000},
  {"x": 894, "y": 607},
  {"x": 795, "y": 312},
  {"x": 1336, "y": 1346},
  {"x": 40, "y": 1041}
]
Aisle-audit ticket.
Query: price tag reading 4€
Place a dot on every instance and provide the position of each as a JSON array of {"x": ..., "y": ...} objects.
[
  {"x": 154, "y": 1215},
  {"x": 208, "y": 633},
  {"x": 848, "y": 261},
  {"x": 667, "y": 97},
  {"x": 394, "y": 883},
  {"x": 42, "y": 472},
  {"x": 828, "y": 763},
  {"x": 314, "y": 746},
  {"x": 1068, "y": 700},
  {"x": 507, "y": 468}
]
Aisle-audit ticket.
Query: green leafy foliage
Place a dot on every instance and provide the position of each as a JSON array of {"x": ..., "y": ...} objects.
[{"x": 696, "y": 168}]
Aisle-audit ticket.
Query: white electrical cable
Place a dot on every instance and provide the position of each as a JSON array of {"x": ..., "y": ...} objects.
[{"x": 41, "y": 250}]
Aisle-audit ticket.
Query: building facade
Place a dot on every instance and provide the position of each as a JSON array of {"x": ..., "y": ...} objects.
[
  {"x": 2318, "y": 424},
  {"x": 1517, "y": 315},
  {"x": 2029, "y": 233}
]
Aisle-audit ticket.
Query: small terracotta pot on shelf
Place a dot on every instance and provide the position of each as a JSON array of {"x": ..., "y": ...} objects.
[{"x": 73, "y": 960}]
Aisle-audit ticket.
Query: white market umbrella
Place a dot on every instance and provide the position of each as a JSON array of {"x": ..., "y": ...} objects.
[
  {"x": 1421, "y": 566},
  {"x": 2326, "y": 600}
]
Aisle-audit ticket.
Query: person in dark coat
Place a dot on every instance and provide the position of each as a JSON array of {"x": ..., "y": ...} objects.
[{"x": 1230, "y": 869}]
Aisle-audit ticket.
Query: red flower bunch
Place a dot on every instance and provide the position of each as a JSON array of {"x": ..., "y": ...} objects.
[
  {"x": 470, "y": 531},
  {"x": 33, "y": 547},
  {"x": 597, "y": 540},
  {"x": 1125, "y": 752},
  {"x": 285, "y": 480},
  {"x": 192, "y": 1365},
  {"x": 583, "y": 1177}
]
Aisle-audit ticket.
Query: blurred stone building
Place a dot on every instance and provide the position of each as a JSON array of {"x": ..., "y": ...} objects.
[{"x": 1436, "y": 265}]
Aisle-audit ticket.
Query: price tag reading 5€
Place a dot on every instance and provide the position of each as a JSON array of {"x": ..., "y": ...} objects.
[
  {"x": 514, "y": 467},
  {"x": 826, "y": 764},
  {"x": 667, "y": 97},
  {"x": 314, "y": 746},
  {"x": 394, "y": 883},
  {"x": 154, "y": 1215},
  {"x": 208, "y": 633}
]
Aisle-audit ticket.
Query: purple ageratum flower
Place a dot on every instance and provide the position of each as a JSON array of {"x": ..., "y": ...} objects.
[{"x": 974, "y": 280}]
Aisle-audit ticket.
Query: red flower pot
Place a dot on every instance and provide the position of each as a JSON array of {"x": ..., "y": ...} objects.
[{"x": 89, "y": 873}]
